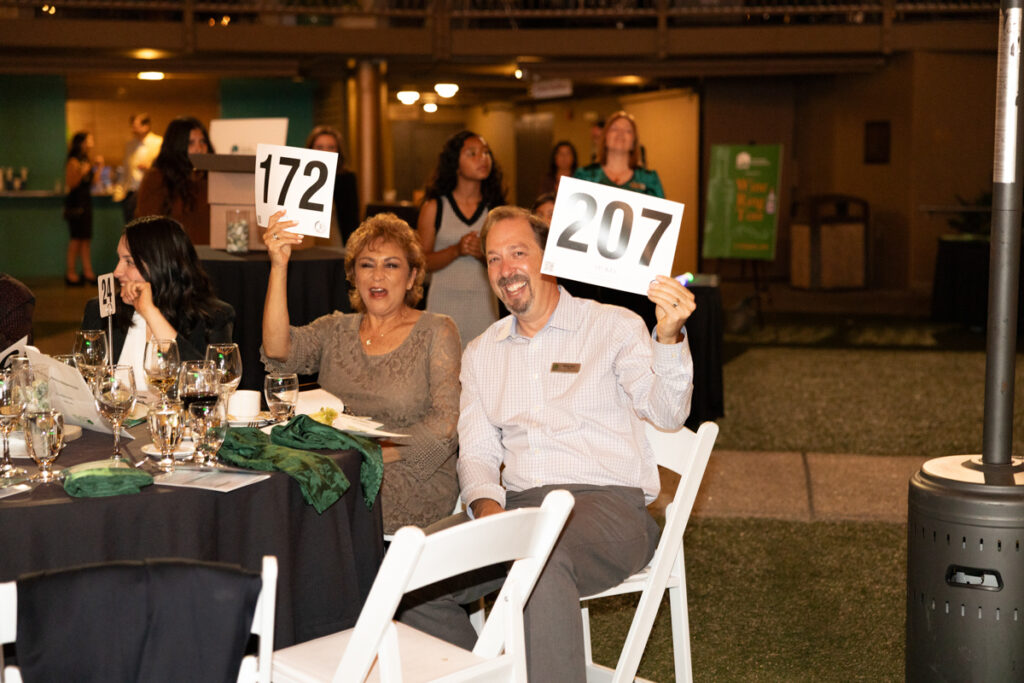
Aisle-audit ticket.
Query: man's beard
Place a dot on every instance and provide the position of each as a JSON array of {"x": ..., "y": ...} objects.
[{"x": 523, "y": 302}]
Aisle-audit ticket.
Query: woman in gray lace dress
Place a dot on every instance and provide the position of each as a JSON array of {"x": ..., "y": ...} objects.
[{"x": 388, "y": 360}]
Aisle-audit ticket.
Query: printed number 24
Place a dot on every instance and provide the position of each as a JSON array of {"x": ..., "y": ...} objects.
[
  {"x": 319, "y": 167},
  {"x": 604, "y": 230}
]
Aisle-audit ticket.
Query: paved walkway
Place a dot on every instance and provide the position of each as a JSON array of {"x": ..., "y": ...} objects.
[{"x": 806, "y": 487}]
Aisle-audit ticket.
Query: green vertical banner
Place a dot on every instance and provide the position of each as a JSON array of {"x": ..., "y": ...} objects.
[{"x": 742, "y": 202}]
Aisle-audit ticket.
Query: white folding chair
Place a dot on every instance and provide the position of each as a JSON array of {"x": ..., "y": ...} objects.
[
  {"x": 382, "y": 649},
  {"x": 254, "y": 669},
  {"x": 687, "y": 454}
]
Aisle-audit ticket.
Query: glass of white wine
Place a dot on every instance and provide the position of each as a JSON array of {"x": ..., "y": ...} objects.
[
  {"x": 11, "y": 407},
  {"x": 90, "y": 353},
  {"x": 166, "y": 426},
  {"x": 44, "y": 439},
  {"x": 228, "y": 362},
  {"x": 161, "y": 363},
  {"x": 114, "y": 391},
  {"x": 281, "y": 390},
  {"x": 209, "y": 427}
]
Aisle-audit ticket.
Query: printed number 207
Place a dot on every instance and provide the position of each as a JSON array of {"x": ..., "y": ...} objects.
[
  {"x": 617, "y": 250},
  {"x": 318, "y": 167}
]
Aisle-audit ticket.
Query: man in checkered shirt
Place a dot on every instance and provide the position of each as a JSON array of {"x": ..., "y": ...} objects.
[{"x": 552, "y": 398}]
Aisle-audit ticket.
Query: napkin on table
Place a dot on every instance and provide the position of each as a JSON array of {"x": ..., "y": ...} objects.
[
  {"x": 320, "y": 479},
  {"x": 304, "y": 432},
  {"x": 98, "y": 482}
]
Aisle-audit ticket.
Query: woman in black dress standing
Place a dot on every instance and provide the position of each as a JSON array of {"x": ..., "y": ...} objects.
[{"x": 81, "y": 172}]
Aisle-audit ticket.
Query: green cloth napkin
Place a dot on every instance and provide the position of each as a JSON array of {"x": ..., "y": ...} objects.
[
  {"x": 97, "y": 482},
  {"x": 305, "y": 432},
  {"x": 320, "y": 479}
]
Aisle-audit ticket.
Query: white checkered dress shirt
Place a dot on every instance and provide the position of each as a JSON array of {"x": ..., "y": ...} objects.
[{"x": 564, "y": 407}]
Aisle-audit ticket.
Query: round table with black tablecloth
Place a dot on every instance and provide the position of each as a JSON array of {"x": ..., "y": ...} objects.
[{"x": 327, "y": 562}]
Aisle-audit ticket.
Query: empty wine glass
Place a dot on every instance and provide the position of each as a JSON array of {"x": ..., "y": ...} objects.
[
  {"x": 44, "y": 439},
  {"x": 166, "y": 426},
  {"x": 209, "y": 427},
  {"x": 281, "y": 390},
  {"x": 161, "y": 363},
  {"x": 90, "y": 352},
  {"x": 228, "y": 362},
  {"x": 11, "y": 408},
  {"x": 114, "y": 391}
]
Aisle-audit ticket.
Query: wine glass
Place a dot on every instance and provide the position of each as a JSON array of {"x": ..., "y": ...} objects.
[
  {"x": 228, "y": 362},
  {"x": 11, "y": 408},
  {"x": 198, "y": 382},
  {"x": 90, "y": 352},
  {"x": 114, "y": 391},
  {"x": 161, "y": 363},
  {"x": 44, "y": 439},
  {"x": 209, "y": 427},
  {"x": 66, "y": 359},
  {"x": 166, "y": 426},
  {"x": 282, "y": 392}
]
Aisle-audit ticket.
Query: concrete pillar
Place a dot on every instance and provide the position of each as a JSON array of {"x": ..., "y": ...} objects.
[{"x": 368, "y": 126}]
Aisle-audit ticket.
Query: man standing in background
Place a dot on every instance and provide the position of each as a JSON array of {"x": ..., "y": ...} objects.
[{"x": 139, "y": 153}]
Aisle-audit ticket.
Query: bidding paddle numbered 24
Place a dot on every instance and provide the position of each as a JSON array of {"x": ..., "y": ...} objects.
[
  {"x": 611, "y": 237},
  {"x": 298, "y": 180}
]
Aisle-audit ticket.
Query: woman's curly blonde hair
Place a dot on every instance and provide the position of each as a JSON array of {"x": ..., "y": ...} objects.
[{"x": 382, "y": 229}]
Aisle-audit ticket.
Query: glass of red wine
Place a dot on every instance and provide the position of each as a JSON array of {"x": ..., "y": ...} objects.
[{"x": 198, "y": 382}]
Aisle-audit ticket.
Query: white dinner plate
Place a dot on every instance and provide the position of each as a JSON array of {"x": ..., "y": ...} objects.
[
  {"x": 261, "y": 419},
  {"x": 184, "y": 450}
]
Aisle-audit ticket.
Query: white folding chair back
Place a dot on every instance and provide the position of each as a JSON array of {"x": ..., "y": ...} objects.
[
  {"x": 9, "y": 627},
  {"x": 380, "y": 649},
  {"x": 254, "y": 669},
  {"x": 257, "y": 668},
  {"x": 687, "y": 454}
]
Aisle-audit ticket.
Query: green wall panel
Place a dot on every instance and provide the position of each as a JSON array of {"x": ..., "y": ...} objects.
[
  {"x": 34, "y": 127},
  {"x": 247, "y": 98}
]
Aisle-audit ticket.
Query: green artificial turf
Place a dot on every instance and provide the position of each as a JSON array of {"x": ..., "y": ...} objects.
[{"x": 779, "y": 601}]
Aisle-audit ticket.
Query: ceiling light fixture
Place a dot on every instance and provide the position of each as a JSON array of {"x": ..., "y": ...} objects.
[
  {"x": 446, "y": 89},
  {"x": 429, "y": 107},
  {"x": 518, "y": 73},
  {"x": 408, "y": 96},
  {"x": 151, "y": 75}
]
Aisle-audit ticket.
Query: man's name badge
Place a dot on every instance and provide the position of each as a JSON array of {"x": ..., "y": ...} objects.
[{"x": 565, "y": 367}]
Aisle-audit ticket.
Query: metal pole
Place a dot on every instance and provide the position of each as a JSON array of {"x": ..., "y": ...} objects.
[{"x": 997, "y": 447}]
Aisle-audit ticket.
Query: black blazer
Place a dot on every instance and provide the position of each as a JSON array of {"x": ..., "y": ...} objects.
[
  {"x": 346, "y": 203},
  {"x": 191, "y": 343}
]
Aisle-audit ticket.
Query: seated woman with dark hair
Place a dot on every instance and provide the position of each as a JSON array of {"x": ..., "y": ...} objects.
[
  {"x": 165, "y": 294},
  {"x": 388, "y": 360}
]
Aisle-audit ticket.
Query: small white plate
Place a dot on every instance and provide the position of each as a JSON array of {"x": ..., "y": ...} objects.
[{"x": 184, "y": 450}]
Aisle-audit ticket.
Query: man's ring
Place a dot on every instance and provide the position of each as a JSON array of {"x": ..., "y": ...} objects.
[{"x": 275, "y": 236}]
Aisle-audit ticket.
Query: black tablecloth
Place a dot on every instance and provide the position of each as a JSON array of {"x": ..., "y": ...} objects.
[
  {"x": 316, "y": 286},
  {"x": 327, "y": 562}
]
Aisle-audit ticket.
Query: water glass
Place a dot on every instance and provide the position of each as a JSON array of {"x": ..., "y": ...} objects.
[
  {"x": 11, "y": 409},
  {"x": 281, "y": 390},
  {"x": 114, "y": 391},
  {"x": 166, "y": 426},
  {"x": 161, "y": 363},
  {"x": 90, "y": 353},
  {"x": 44, "y": 439},
  {"x": 209, "y": 427},
  {"x": 66, "y": 359},
  {"x": 228, "y": 362}
]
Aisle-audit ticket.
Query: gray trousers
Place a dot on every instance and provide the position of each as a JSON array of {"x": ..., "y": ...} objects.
[{"x": 609, "y": 536}]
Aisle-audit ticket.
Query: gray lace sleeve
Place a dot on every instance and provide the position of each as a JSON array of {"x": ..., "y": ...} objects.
[
  {"x": 308, "y": 343},
  {"x": 434, "y": 439}
]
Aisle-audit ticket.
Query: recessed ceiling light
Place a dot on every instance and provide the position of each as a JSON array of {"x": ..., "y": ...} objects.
[
  {"x": 429, "y": 107},
  {"x": 151, "y": 75},
  {"x": 408, "y": 96}
]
